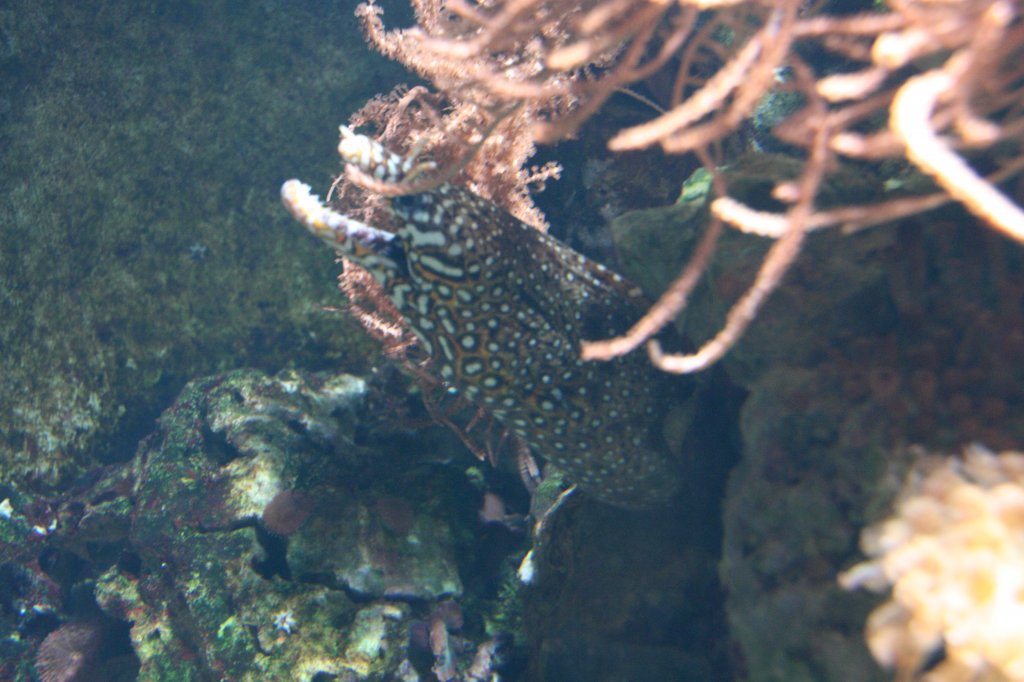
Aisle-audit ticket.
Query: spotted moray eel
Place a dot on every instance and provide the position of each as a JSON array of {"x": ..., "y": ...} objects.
[{"x": 502, "y": 309}]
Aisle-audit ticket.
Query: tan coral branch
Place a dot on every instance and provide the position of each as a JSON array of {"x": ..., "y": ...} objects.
[{"x": 911, "y": 121}]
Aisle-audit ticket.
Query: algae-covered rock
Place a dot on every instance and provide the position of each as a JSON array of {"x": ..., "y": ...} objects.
[
  {"x": 195, "y": 597},
  {"x": 625, "y": 596},
  {"x": 825, "y": 443},
  {"x": 214, "y": 590},
  {"x": 835, "y": 278},
  {"x": 143, "y": 242},
  {"x": 653, "y": 243},
  {"x": 793, "y": 512},
  {"x": 630, "y": 595},
  {"x": 258, "y": 534},
  {"x": 376, "y": 554}
]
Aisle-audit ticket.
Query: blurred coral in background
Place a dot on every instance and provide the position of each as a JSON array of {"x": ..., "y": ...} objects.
[
  {"x": 924, "y": 81},
  {"x": 954, "y": 557}
]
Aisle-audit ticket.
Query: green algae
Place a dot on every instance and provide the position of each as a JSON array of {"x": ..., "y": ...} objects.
[
  {"x": 212, "y": 594},
  {"x": 143, "y": 241}
]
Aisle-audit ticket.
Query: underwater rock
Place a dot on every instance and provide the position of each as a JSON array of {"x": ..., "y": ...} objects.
[
  {"x": 142, "y": 245},
  {"x": 49, "y": 622},
  {"x": 834, "y": 280},
  {"x": 624, "y": 595},
  {"x": 792, "y": 514},
  {"x": 368, "y": 555},
  {"x": 204, "y": 585},
  {"x": 175, "y": 550},
  {"x": 891, "y": 336},
  {"x": 934, "y": 362},
  {"x": 211, "y": 588}
]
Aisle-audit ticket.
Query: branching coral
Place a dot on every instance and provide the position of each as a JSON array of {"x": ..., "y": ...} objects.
[
  {"x": 543, "y": 67},
  {"x": 954, "y": 556}
]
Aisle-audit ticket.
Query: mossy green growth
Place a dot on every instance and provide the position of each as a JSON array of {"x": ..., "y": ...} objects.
[
  {"x": 217, "y": 591},
  {"x": 13, "y": 526},
  {"x": 144, "y": 241},
  {"x": 507, "y": 614},
  {"x": 696, "y": 188}
]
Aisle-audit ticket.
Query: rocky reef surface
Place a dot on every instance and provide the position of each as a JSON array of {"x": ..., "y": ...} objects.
[
  {"x": 879, "y": 346},
  {"x": 142, "y": 241},
  {"x": 263, "y": 532},
  {"x": 249, "y": 538},
  {"x": 310, "y": 523}
]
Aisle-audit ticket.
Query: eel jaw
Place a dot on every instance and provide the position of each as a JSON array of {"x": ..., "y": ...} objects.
[{"x": 378, "y": 251}]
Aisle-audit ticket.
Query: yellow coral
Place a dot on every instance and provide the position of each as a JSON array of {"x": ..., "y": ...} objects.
[{"x": 954, "y": 557}]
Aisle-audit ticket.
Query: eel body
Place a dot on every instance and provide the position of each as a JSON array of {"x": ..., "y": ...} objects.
[{"x": 502, "y": 308}]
